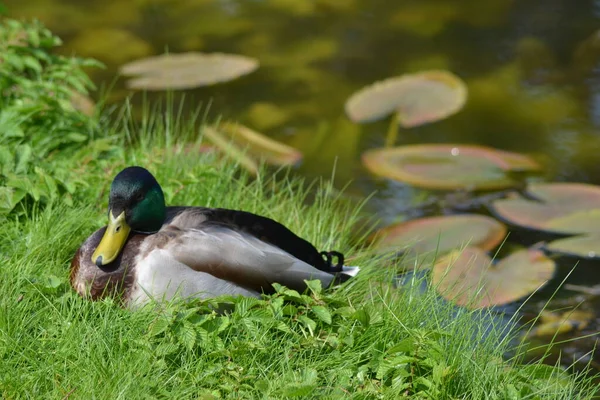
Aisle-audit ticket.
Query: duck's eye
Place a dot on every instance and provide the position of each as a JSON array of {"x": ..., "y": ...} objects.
[{"x": 139, "y": 197}]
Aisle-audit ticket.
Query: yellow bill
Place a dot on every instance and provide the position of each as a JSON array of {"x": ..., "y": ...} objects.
[{"x": 113, "y": 240}]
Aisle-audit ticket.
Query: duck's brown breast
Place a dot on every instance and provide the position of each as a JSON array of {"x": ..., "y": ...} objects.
[{"x": 114, "y": 279}]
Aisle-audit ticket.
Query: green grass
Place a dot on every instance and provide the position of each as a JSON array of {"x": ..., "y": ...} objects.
[{"x": 364, "y": 340}]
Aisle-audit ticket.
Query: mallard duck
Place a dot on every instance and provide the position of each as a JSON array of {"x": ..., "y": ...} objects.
[{"x": 152, "y": 252}]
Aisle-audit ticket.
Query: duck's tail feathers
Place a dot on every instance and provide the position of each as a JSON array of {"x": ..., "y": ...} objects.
[
  {"x": 328, "y": 257},
  {"x": 350, "y": 271},
  {"x": 346, "y": 274}
]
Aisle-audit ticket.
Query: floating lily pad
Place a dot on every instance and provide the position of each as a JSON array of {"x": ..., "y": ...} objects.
[
  {"x": 231, "y": 150},
  {"x": 186, "y": 70},
  {"x": 111, "y": 45},
  {"x": 585, "y": 246},
  {"x": 468, "y": 278},
  {"x": 440, "y": 234},
  {"x": 551, "y": 323},
  {"x": 564, "y": 208},
  {"x": 417, "y": 98},
  {"x": 448, "y": 166},
  {"x": 264, "y": 116},
  {"x": 260, "y": 146}
]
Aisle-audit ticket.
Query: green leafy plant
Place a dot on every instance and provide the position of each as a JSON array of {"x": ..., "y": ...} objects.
[{"x": 37, "y": 118}]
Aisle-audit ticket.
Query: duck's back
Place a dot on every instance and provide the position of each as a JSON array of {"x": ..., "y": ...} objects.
[{"x": 263, "y": 228}]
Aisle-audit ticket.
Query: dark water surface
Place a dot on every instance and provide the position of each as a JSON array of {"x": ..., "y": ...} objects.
[{"x": 532, "y": 68}]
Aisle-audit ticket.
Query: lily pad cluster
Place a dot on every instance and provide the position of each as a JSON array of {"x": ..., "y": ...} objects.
[
  {"x": 195, "y": 69},
  {"x": 558, "y": 208},
  {"x": 462, "y": 268},
  {"x": 465, "y": 273},
  {"x": 457, "y": 247},
  {"x": 417, "y": 99}
]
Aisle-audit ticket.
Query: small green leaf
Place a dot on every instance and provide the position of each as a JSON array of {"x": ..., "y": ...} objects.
[
  {"x": 75, "y": 137},
  {"x": 424, "y": 382},
  {"x": 315, "y": 287},
  {"x": 24, "y": 153},
  {"x": 51, "y": 282},
  {"x": 276, "y": 304},
  {"x": 261, "y": 385},
  {"x": 289, "y": 309},
  {"x": 203, "y": 334},
  {"x": 34, "y": 37},
  {"x": 292, "y": 295},
  {"x": 13, "y": 60},
  {"x": 280, "y": 325},
  {"x": 278, "y": 288},
  {"x": 48, "y": 180},
  {"x": 250, "y": 326},
  {"x": 158, "y": 326},
  {"x": 362, "y": 316},
  {"x": 344, "y": 311},
  {"x": 309, "y": 323},
  {"x": 404, "y": 346},
  {"x": 322, "y": 314},
  {"x": 385, "y": 366},
  {"x": 186, "y": 334},
  {"x": 439, "y": 373},
  {"x": 166, "y": 348},
  {"x": 10, "y": 197},
  {"x": 33, "y": 64}
]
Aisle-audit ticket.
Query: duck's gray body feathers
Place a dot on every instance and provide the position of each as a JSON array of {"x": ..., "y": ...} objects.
[{"x": 200, "y": 252}]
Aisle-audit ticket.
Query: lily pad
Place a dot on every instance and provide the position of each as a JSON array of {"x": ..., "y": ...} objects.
[
  {"x": 260, "y": 146},
  {"x": 585, "y": 246},
  {"x": 468, "y": 278},
  {"x": 440, "y": 234},
  {"x": 186, "y": 70},
  {"x": 551, "y": 323},
  {"x": 417, "y": 98},
  {"x": 563, "y": 208},
  {"x": 448, "y": 166},
  {"x": 231, "y": 150}
]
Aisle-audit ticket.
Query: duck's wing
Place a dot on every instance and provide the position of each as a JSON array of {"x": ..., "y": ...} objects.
[
  {"x": 263, "y": 228},
  {"x": 237, "y": 257}
]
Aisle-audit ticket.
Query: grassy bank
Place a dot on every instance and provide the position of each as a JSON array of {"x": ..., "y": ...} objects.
[{"x": 364, "y": 340}]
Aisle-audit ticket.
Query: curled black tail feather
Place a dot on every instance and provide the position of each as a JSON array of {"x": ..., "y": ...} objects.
[{"x": 328, "y": 258}]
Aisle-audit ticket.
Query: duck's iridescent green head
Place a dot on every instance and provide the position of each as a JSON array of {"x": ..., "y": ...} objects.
[{"x": 136, "y": 203}]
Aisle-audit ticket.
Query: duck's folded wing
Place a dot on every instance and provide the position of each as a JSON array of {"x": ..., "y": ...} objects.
[
  {"x": 241, "y": 258},
  {"x": 263, "y": 228}
]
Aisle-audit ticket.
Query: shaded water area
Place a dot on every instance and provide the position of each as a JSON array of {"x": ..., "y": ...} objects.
[{"x": 531, "y": 67}]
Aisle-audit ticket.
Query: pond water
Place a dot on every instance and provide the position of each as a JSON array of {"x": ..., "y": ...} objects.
[{"x": 531, "y": 67}]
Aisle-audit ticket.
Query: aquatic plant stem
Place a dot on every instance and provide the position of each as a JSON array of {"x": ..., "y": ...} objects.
[{"x": 392, "y": 132}]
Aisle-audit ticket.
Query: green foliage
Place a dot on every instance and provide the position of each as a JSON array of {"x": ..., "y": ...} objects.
[{"x": 37, "y": 118}]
